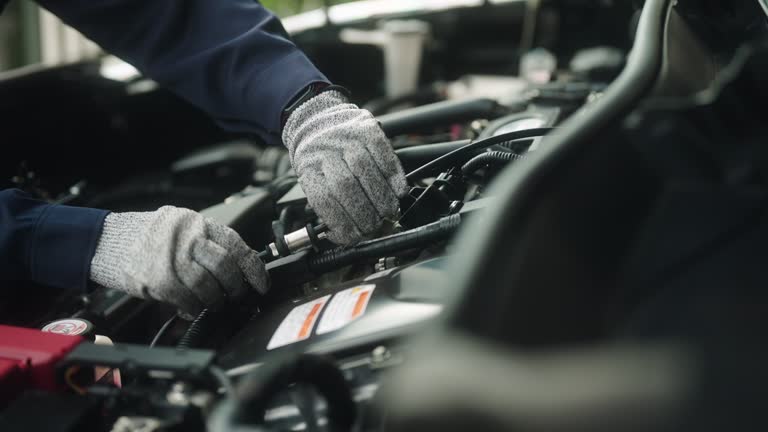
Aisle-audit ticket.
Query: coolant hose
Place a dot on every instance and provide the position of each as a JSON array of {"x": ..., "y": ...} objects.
[
  {"x": 417, "y": 237},
  {"x": 489, "y": 158}
]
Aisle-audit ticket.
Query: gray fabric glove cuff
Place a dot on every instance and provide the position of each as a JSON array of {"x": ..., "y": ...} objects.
[{"x": 119, "y": 232}]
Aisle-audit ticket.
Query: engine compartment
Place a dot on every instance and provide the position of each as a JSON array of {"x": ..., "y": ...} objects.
[{"x": 315, "y": 352}]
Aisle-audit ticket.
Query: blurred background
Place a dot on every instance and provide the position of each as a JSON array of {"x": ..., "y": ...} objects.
[{"x": 30, "y": 35}]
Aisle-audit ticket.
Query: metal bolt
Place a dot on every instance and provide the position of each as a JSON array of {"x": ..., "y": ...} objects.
[
  {"x": 381, "y": 265},
  {"x": 380, "y": 354},
  {"x": 455, "y": 207},
  {"x": 386, "y": 263}
]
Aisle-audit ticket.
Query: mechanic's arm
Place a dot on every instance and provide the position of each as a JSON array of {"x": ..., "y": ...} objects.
[
  {"x": 172, "y": 255},
  {"x": 45, "y": 243},
  {"x": 233, "y": 59}
]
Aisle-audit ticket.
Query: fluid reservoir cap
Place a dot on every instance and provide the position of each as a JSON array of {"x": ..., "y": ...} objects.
[{"x": 70, "y": 327}]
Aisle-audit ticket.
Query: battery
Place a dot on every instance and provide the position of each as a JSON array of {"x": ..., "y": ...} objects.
[{"x": 28, "y": 359}]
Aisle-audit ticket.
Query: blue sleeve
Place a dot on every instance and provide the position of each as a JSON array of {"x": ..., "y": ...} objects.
[
  {"x": 46, "y": 243},
  {"x": 231, "y": 58}
]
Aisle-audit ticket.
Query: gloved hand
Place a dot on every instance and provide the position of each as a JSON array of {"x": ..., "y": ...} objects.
[
  {"x": 346, "y": 166},
  {"x": 176, "y": 256}
]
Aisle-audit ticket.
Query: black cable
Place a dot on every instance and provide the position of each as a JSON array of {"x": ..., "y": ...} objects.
[
  {"x": 415, "y": 156},
  {"x": 162, "y": 330},
  {"x": 459, "y": 156},
  {"x": 489, "y": 158},
  {"x": 417, "y": 237},
  {"x": 195, "y": 331}
]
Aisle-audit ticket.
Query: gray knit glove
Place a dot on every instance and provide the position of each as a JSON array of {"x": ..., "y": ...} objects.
[
  {"x": 346, "y": 166},
  {"x": 176, "y": 256}
]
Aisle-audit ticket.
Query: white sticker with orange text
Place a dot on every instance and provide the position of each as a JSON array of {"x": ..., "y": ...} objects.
[
  {"x": 298, "y": 324},
  {"x": 345, "y": 307}
]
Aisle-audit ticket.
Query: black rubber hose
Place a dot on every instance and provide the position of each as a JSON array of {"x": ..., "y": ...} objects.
[
  {"x": 195, "y": 331},
  {"x": 462, "y": 154},
  {"x": 519, "y": 201},
  {"x": 438, "y": 114},
  {"x": 517, "y": 146},
  {"x": 416, "y": 156},
  {"x": 489, "y": 158},
  {"x": 417, "y": 237},
  {"x": 421, "y": 96}
]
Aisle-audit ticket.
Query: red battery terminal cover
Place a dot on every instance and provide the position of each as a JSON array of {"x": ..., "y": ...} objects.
[{"x": 28, "y": 359}]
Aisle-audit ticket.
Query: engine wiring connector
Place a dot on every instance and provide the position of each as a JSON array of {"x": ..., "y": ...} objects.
[{"x": 295, "y": 241}]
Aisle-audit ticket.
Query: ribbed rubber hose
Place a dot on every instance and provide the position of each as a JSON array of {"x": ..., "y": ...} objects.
[
  {"x": 417, "y": 237},
  {"x": 489, "y": 158}
]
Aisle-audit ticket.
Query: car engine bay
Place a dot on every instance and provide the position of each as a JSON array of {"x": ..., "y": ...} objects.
[{"x": 561, "y": 261}]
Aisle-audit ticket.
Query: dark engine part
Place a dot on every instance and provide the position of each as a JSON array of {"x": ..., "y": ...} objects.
[
  {"x": 393, "y": 300},
  {"x": 258, "y": 389},
  {"x": 425, "y": 117}
]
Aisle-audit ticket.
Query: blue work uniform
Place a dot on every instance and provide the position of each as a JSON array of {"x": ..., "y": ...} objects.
[{"x": 231, "y": 58}]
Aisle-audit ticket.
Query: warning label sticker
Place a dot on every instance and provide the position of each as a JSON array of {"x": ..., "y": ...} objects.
[
  {"x": 345, "y": 307},
  {"x": 298, "y": 324}
]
